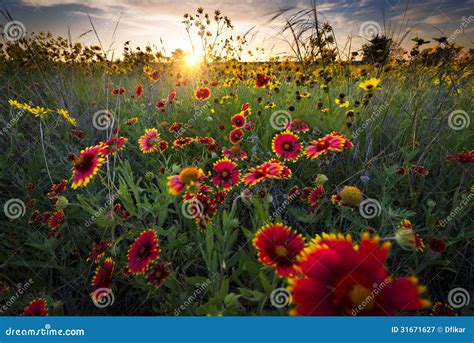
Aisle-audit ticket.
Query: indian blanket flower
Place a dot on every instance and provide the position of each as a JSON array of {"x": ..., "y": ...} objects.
[
  {"x": 336, "y": 277},
  {"x": 442, "y": 309},
  {"x": 235, "y": 153},
  {"x": 262, "y": 80},
  {"x": 238, "y": 120},
  {"x": 370, "y": 84},
  {"x": 182, "y": 142},
  {"x": 86, "y": 166},
  {"x": 37, "y": 307},
  {"x": 227, "y": 174},
  {"x": 315, "y": 196},
  {"x": 236, "y": 136},
  {"x": 297, "y": 125},
  {"x": 331, "y": 142},
  {"x": 157, "y": 273},
  {"x": 463, "y": 157},
  {"x": 350, "y": 196},
  {"x": 262, "y": 172},
  {"x": 285, "y": 145},
  {"x": 407, "y": 238},
  {"x": 437, "y": 246},
  {"x": 142, "y": 252},
  {"x": 113, "y": 145},
  {"x": 139, "y": 91},
  {"x": 278, "y": 246},
  {"x": 98, "y": 251},
  {"x": 150, "y": 141},
  {"x": 202, "y": 93},
  {"x": 187, "y": 178},
  {"x": 102, "y": 280},
  {"x": 420, "y": 170}
]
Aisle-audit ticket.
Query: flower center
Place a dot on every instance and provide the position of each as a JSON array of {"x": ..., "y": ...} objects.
[
  {"x": 225, "y": 174},
  {"x": 142, "y": 251},
  {"x": 189, "y": 175},
  {"x": 84, "y": 162},
  {"x": 297, "y": 123},
  {"x": 157, "y": 274},
  {"x": 360, "y": 295},
  {"x": 235, "y": 150},
  {"x": 287, "y": 146},
  {"x": 281, "y": 251}
]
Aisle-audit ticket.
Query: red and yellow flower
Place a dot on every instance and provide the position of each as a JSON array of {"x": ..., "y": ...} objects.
[
  {"x": 238, "y": 120},
  {"x": 235, "y": 153},
  {"x": 236, "y": 136},
  {"x": 285, "y": 145},
  {"x": 278, "y": 246},
  {"x": 202, "y": 93},
  {"x": 157, "y": 273},
  {"x": 227, "y": 174},
  {"x": 142, "y": 252},
  {"x": 37, "y": 307},
  {"x": 188, "y": 177},
  {"x": 336, "y": 277},
  {"x": 86, "y": 165},
  {"x": 102, "y": 280},
  {"x": 151, "y": 141},
  {"x": 297, "y": 125},
  {"x": 331, "y": 142}
]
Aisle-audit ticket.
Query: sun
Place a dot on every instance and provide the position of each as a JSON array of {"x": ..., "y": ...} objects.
[{"x": 192, "y": 60}]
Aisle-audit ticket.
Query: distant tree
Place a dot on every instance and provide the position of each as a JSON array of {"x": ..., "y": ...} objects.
[{"x": 377, "y": 50}]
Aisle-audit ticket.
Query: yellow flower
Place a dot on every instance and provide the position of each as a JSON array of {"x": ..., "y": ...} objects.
[
  {"x": 342, "y": 103},
  {"x": 370, "y": 84},
  {"x": 65, "y": 114}
]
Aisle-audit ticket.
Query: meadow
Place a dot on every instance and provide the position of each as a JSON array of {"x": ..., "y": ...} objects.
[{"x": 170, "y": 185}]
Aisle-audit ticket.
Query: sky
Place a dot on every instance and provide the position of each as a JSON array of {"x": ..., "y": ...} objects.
[{"x": 150, "y": 22}]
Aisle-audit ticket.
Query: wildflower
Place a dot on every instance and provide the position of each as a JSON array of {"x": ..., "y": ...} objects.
[
  {"x": 407, "y": 238},
  {"x": 65, "y": 114},
  {"x": 202, "y": 93},
  {"x": 227, "y": 175},
  {"x": 238, "y": 121},
  {"x": 182, "y": 142},
  {"x": 118, "y": 91},
  {"x": 437, "y": 246},
  {"x": 131, "y": 121},
  {"x": 37, "y": 307},
  {"x": 142, "y": 252},
  {"x": 187, "y": 178},
  {"x": 235, "y": 153},
  {"x": 297, "y": 125},
  {"x": 370, "y": 84},
  {"x": 285, "y": 145},
  {"x": 315, "y": 196},
  {"x": 113, "y": 145},
  {"x": 98, "y": 251},
  {"x": 331, "y": 142},
  {"x": 236, "y": 136},
  {"x": 262, "y": 80},
  {"x": 338, "y": 278},
  {"x": 86, "y": 165},
  {"x": 157, "y": 273},
  {"x": 350, "y": 196},
  {"x": 278, "y": 246},
  {"x": 160, "y": 105},
  {"x": 464, "y": 157},
  {"x": 150, "y": 141},
  {"x": 341, "y": 102},
  {"x": 102, "y": 280},
  {"x": 420, "y": 170},
  {"x": 139, "y": 91}
]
